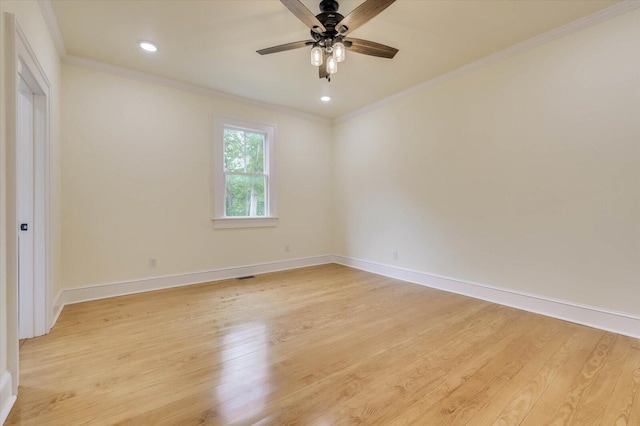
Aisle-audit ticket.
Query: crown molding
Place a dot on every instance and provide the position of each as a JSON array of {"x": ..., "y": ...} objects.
[
  {"x": 577, "y": 25},
  {"x": 189, "y": 87},
  {"x": 572, "y": 27},
  {"x": 52, "y": 23}
]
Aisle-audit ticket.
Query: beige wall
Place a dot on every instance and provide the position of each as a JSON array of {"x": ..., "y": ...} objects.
[
  {"x": 31, "y": 21},
  {"x": 524, "y": 174},
  {"x": 136, "y": 178}
]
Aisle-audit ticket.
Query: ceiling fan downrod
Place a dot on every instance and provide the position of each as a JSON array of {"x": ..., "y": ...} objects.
[{"x": 329, "y": 6}]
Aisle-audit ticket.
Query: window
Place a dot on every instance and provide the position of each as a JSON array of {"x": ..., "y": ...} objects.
[{"x": 243, "y": 173}]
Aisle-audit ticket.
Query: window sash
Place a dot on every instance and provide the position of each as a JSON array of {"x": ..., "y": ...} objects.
[
  {"x": 220, "y": 175},
  {"x": 265, "y": 144},
  {"x": 244, "y": 148},
  {"x": 246, "y": 174},
  {"x": 266, "y": 192}
]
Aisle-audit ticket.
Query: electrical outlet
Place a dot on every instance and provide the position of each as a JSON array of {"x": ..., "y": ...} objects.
[
  {"x": 286, "y": 248},
  {"x": 394, "y": 254},
  {"x": 153, "y": 262}
]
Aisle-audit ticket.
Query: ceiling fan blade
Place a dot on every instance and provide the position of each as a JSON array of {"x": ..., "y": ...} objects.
[
  {"x": 285, "y": 47},
  {"x": 322, "y": 69},
  {"x": 370, "y": 48},
  {"x": 362, "y": 14},
  {"x": 302, "y": 13}
]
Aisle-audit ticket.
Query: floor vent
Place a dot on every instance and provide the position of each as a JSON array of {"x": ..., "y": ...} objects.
[{"x": 247, "y": 277}]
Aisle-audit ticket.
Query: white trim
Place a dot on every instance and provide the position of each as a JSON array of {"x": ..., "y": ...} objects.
[
  {"x": 57, "y": 308},
  {"x": 218, "y": 175},
  {"x": 28, "y": 67},
  {"x": 574, "y": 26},
  {"x": 27, "y": 53},
  {"x": 52, "y": 23},
  {"x": 102, "y": 291},
  {"x": 7, "y": 397},
  {"x": 194, "y": 88},
  {"x": 244, "y": 222},
  {"x": 21, "y": 57},
  {"x": 604, "y": 319}
]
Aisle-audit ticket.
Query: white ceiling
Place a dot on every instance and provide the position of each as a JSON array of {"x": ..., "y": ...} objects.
[{"x": 213, "y": 43}]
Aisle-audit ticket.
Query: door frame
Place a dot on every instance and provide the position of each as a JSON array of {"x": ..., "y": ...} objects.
[{"x": 23, "y": 63}]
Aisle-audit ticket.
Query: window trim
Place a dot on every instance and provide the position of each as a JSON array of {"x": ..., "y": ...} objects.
[{"x": 220, "y": 221}]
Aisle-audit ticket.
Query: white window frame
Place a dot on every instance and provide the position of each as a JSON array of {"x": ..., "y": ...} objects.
[{"x": 220, "y": 220}]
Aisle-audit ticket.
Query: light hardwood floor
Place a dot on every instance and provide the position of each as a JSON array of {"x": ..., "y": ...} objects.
[{"x": 326, "y": 345}]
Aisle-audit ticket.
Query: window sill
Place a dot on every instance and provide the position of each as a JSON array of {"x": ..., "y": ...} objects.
[{"x": 244, "y": 222}]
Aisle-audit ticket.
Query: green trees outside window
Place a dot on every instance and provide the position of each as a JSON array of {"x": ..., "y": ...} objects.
[{"x": 245, "y": 174}]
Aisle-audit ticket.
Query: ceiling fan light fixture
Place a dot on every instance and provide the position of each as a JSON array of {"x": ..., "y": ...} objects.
[
  {"x": 339, "y": 51},
  {"x": 316, "y": 56},
  {"x": 332, "y": 65},
  {"x": 328, "y": 31}
]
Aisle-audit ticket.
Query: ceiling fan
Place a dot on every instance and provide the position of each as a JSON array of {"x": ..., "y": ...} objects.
[{"x": 329, "y": 31}]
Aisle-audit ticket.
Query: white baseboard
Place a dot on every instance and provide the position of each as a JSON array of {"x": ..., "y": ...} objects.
[
  {"x": 616, "y": 322},
  {"x": 7, "y": 398},
  {"x": 57, "y": 308},
  {"x": 102, "y": 291}
]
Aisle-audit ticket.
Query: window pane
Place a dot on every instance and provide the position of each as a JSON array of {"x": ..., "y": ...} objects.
[
  {"x": 255, "y": 152},
  {"x": 245, "y": 195},
  {"x": 234, "y": 150}
]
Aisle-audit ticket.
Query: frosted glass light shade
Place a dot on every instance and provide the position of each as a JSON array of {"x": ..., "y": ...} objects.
[
  {"x": 339, "y": 51},
  {"x": 316, "y": 56},
  {"x": 332, "y": 65}
]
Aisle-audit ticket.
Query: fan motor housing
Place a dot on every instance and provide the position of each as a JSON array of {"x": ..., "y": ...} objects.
[{"x": 329, "y": 20}]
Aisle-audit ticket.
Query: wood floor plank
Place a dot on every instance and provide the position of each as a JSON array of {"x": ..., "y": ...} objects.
[
  {"x": 321, "y": 345},
  {"x": 545, "y": 345},
  {"x": 597, "y": 396},
  {"x": 568, "y": 410},
  {"x": 462, "y": 405},
  {"x": 415, "y": 363},
  {"x": 442, "y": 367},
  {"x": 627, "y": 389},
  {"x": 523, "y": 400}
]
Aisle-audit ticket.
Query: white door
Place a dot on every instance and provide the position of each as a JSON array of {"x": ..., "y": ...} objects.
[{"x": 25, "y": 195}]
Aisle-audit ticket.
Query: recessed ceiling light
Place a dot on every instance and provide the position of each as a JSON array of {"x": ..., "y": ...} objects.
[
  {"x": 325, "y": 98},
  {"x": 148, "y": 46}
]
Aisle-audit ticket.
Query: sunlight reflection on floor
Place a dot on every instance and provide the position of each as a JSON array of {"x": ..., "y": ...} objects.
[{"x": 244, "y": 383}]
